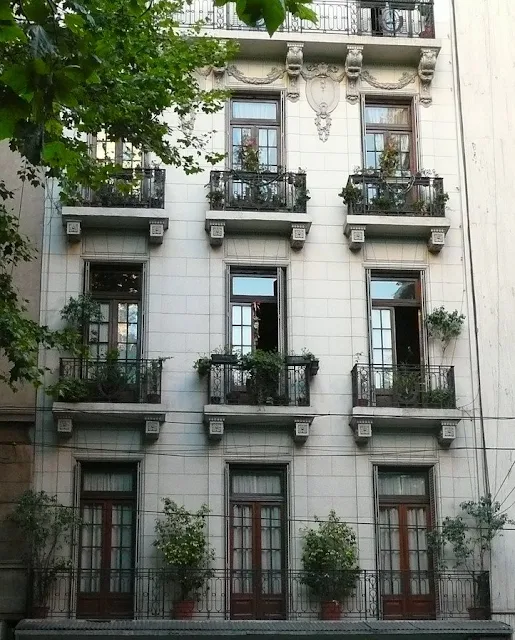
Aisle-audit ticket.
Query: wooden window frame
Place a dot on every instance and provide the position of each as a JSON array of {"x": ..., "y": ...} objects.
[
  {"x": 118, "y": 153},
  {"x": 410, "y": 128},
  {"x": 256, "y": 123},
  {"x": 114, "y": 297}
]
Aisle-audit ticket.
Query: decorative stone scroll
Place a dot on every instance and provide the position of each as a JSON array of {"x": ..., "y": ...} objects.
[
  {"x": 272, "y": 76},
  {"x": 294, "y": 60},
  {"x": 323, "y": 93},
  {"x": 406, "y": 79}
]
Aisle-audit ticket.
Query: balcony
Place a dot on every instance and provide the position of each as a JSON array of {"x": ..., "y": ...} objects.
[
  {"x": 258, "y": 202},
  {"x": 109, "y": 391},
  {"x": 130, "y": 199},
  {"x": 237, "y": 396},
  {"x": 404, "y": 398},
  {"x": 403, "y": 206},
  {"x": 404, "y": 25},
  {"x": 151, "y": 593}
]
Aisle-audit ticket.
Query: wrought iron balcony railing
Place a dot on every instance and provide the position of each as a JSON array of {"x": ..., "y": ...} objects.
[
  {"x": 412, "y": 195},
  {"x": 430, "y": 387},
  {"x": 131, "y": 188},
  {"x": 151, "y": 593},
  {"x": 82, "y": 380},
  {"x": 230, "y": 383},
  {"x": 238, "y": 190},
  {"x": 382, "y": 18}
]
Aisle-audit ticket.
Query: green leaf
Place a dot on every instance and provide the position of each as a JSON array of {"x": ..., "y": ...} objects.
[
  {"x": 74, "y": 22},
  {"x": 17, "y": 77},
  {"x": 36, "y": 10},
  {"x": 305, "y": 13},
  {"x": 11, "y": 33},
  {"x": 7, "y": 124},
  {"x": 274, "y": 13}
]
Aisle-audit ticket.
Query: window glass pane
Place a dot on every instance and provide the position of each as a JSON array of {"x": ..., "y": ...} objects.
[
  {"x": 254, "y": 110},
  {"x": 253, "y": 286},
  {"x": 246, "y": 315},
  {"x": 108, "y": 279},
  {"x": 395, "y": 483},
  {"x": 100, "y": 480},
  {"x": 398, "y": 115},
  {"x": 393, "y": 290},
  {"x": 256, "y": 484}
]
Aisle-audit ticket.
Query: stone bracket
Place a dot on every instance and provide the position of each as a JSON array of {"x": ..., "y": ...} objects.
[
  {"x": 151, "y": 423},
  {"x": 436, "y": 240},
  {"x": 426, "y": 72},
  {"x": 156, "y": 230},
  {"x": 215, "y": 427},
  {"x": 73, "y": 230},
  {"x": 356, "y": 235},
  {"x": 447, "y": 433},
  {"x": 64, "y": 426},
  {"x": 216, "y": 230},
  {"x": 362, "y": 428},
  {"x": 299, "y": 232},
  {"x": 294, "y": 61},
  {"x": 302, "y": 428},
  {"x": 353, "y": 69}
]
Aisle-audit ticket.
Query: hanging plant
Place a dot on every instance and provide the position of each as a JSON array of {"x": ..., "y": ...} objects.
[
  {"x": 389, "y": 158},
  {"x": 444, "y": 325},
  {"x": 248, "y": 154}
]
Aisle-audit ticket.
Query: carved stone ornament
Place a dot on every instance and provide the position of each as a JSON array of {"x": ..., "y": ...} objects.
[
  {"x": 406, "y": 79},
  {"x": 294, "y": 60},
  {"x": 272, "y": 76},
  {"x": 219, "y": 75},
  {"x": 426, "y": 72},
  {"x": 323, "y": 93},
  {"x": 353, "y": 68},
  {"x": 187, "y": 123}
]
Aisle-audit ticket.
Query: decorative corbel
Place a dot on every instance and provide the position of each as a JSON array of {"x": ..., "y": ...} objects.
[
  {"x": 216, "y": 230},
  {"x": 215, "y": 427},
  {"x": 73, "y": 230},
  {"x": 219, "y": 75},
  {"x": 426, "y": 72},
  {"x": 353, "y": 68},
  {"x": 362, "y": 428},
  {"x": 294, "y": 61}
]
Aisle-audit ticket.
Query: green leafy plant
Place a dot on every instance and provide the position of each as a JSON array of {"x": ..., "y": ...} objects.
[
  {"x": 70, "y": 390},
  {"x": 465, "y": 542},
  {"x": 46, "y": 527},
  {"x": 389, "y": 158},
  {"x": 265, "y": 369},
  {"x": 248, "y": 155},
  {"x": 329, "y": 559},
  {"x": 444, "y": 325},
  {"x": 351, "y": 194},
  {"x": 406, "y": 385},
  {"x": 181, "y": 538},
  {"x": 202, "y": 365},
  {"x": 439, "y": 398},
  {"x": 110, "y": 377},
  {"x": 78, "y": 313}
]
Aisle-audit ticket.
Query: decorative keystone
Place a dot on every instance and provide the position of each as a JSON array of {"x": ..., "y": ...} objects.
[
  {"x": 294, "y": 60},
  {"x": 73, "y": 230},
  {"x": 353, "y": 69},
  {"x": 301, "y": 430},
  {"x": 152, "y": 429},
  {"x": 426, "y": 72},
  {"x": 216, "y": 232},
  {"x": 156, "y": 231},
  {"x": 436, "y": 240},
  {"x": 362, "y": 430},
  {"x": 356, "y": 237},
  {"x": 64, "y": 427},
  {"x": 215, "y": 428},
  {"x": 298, "y": 235},
  {"x": 447, "y": 432}
]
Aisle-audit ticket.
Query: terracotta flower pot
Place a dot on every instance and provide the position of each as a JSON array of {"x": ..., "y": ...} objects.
[
  {"x": 479, "y": 613},
  {"x": 330, "y": 610},
  {"x": 183, "y": 610},
  {"x": 39, "y": 611}
]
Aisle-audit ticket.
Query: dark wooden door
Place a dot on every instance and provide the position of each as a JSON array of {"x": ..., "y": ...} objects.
[
  {"x": 258, "y": 577},
  {"x": 406, "y": 582},
  {"x": 106, "y": 555}
]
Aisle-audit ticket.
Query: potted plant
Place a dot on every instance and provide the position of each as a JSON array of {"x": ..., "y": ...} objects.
[
  {"x": 329, "y": 559},
  {"x": 153, "y": 380},
  {"x": 407, "y": 386},
  {"x": 202, "y": 365},
  {"x": 469, "y": 537},
  {"x": 224, "y": 355},
  {"x": 181, "y": 538},
  {"x": 111, "y": 378},
  {"x": 352, "y": 195},
  {"x": 265, "y": 369},
  {"x": 78, "y": 313},
  {"x": 45, "y": 526}
]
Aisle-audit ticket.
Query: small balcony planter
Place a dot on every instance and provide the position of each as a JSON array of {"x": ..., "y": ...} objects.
[
  {"x": 298, "y": 360},
  {"x": 330, "y": 610},
  {"x": 306, "y": 359},
  {"x": 314, "y": 365},
  {"x": 183, "y": 610},
  {"x": 224, "y": 358}
]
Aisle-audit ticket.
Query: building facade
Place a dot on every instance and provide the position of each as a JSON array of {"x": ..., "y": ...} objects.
[
  {"x": 18, "y": 409},
  {"x": 334, "y": 228}
]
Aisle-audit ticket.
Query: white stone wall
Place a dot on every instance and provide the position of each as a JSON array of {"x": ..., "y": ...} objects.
[
  {"x": 486, "y": 60},
  {"x": 327, "y": 313}
]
